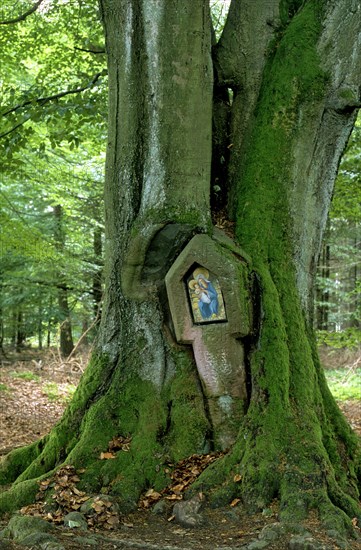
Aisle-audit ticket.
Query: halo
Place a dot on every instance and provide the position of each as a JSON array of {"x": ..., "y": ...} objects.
[
  {"x": 192, "y": 284},
  {"x": 201, "y": 271}
]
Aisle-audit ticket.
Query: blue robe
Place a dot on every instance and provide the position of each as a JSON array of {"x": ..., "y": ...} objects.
[{"x": 207, "y": 310}]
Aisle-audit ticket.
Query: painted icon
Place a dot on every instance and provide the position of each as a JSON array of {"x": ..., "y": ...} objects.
[{"x": 205, "y": 297}]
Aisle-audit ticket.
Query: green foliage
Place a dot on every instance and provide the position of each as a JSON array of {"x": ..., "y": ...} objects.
[
  {"x": 53, "y": 112},
  {"x": 348, "y": 338},
  {"x": 56, "y": 392},
  {"x": 219, "y": 10},
  {"x": 344, "y": 384},
  {"x": 338, "y": 304},
  {"x": 4, "y": 387},
  {"x": 26, "y": 375}
]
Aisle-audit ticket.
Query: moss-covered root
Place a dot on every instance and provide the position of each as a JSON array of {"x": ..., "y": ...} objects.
[
  {"x": 299, "y": 474},
  {"x": 161, "y": 426},
  {"x": 18, "y": 495},
  {"x": 309, "y": 484},
  {"x": 18, "y": 460}
]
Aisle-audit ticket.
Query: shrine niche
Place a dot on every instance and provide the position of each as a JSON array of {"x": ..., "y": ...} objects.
[
  {"x": 210, "y": 305},
  {"x": 205, "y": 296}
]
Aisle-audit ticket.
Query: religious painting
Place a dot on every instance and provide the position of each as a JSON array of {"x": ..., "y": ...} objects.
[{"x": 205, "y": 296}]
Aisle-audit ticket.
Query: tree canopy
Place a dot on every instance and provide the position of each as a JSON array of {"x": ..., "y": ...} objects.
[{"x": 53, "y": 130}]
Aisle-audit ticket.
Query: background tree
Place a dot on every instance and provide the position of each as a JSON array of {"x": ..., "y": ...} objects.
[
  {"x": 295, "y": 94},
  {"x": 338, "y": 282},
  {"x": 53, "y": 128}
]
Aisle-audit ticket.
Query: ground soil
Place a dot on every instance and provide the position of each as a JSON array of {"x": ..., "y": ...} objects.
[{"x": 28, "y": 410}]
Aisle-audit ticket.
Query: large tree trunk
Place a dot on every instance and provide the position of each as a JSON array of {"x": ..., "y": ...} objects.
[{"x": 295, "y": 94}]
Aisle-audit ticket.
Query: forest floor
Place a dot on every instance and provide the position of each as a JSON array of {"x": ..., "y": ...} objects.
[{"x": 34, "y": 390}]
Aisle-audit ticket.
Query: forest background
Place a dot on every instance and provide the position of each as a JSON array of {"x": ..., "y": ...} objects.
[{"x": 53, "y": 140}]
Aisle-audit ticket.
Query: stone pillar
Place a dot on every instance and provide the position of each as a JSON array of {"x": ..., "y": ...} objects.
[{"x": 210, "y": 304}]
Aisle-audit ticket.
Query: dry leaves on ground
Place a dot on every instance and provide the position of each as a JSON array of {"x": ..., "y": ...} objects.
[
  {"x": 101, "y": 514},
  {"x": 183, "y": 475}
]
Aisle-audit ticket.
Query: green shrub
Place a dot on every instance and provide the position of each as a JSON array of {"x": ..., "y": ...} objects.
[
  {"x": 344, "y": 383},
  {"x": 26, "y": 375}
]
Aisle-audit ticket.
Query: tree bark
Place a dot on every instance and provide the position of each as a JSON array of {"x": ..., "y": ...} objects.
[
  {"x": 97, "y": 279},
  {"x": 66, "y": 336},
  {"x": 296, "y": 96}
]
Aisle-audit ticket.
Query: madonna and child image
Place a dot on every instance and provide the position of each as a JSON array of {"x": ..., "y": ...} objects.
[{"x": 205, "y": 297}]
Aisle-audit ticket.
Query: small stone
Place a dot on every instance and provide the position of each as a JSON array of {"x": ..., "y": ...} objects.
[
  {"x": 160, "y": 508},
  {"x": 20, "y": 527},
  {"x": 258, "y": 545},
  {"x": 186, "y": 512},
  {"x": 43, "y": 541},
  {"x": 272, "y": 532},
  {"x": 75, "y": 520},
  {"x": 305, "y": 543}
]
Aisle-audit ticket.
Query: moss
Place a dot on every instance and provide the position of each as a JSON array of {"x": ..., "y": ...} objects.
[
  {"x": 19, "y": 495},
  {"x": 188, "y": 423},
  {"x": 20, "y": 527},
  {"x": 282, "y": 414},
  {"x": 173, "y": 213},
  {"x": 288, "y": 8},
  {"x": 18, "y": 460},
  {"x": 58, "y": 443}
]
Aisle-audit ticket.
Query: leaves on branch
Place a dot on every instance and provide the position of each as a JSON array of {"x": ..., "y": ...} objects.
[{"x": 23, "y": 16}]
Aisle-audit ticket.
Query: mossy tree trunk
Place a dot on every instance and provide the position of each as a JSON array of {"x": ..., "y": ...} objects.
[{"x": 295, "y": 94}]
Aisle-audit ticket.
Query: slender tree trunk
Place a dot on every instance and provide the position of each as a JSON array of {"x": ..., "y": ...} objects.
[
  {"x": 66, "y": 337},
  {"x": 20, "y": 332},
  {"x": 323, "y": 295},
  {"x": 40, "y": 327},
  {"x": 2, "y": 327},
  {"x": 97, "y": 280},
  {"x": 13, "y": 328}
]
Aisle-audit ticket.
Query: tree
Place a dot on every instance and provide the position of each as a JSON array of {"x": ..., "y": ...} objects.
[
  {"x": 283, "y": 108},
  {"x": 53, "y": 131},
  {"x": 338, "y": 281}
]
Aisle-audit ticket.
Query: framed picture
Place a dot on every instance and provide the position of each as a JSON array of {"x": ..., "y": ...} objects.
[{"x": 205, "y": 296}]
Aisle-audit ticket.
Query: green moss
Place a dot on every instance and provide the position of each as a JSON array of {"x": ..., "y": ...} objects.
[
  {"x": 288, "y": 8},
  {"x": 19, "y": 495},
  {"x": 282, "y": 414},
  {"x": 18, "y": 460},
  {"x": 189, "y": 424},
  {"x": 20, "y": 527},
  {"x": 43, "y": 456}
]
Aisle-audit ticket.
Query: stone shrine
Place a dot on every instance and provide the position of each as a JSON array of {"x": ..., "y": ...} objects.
[{"x": 210, "y": 305}]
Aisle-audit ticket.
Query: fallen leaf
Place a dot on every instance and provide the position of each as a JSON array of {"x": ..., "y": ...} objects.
[
  {"x": 237, "y": 478},
  {"x": 106, "y": 456},
  {"x": 235, "y": 501},
  {"x": 354, "y": 522}
]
